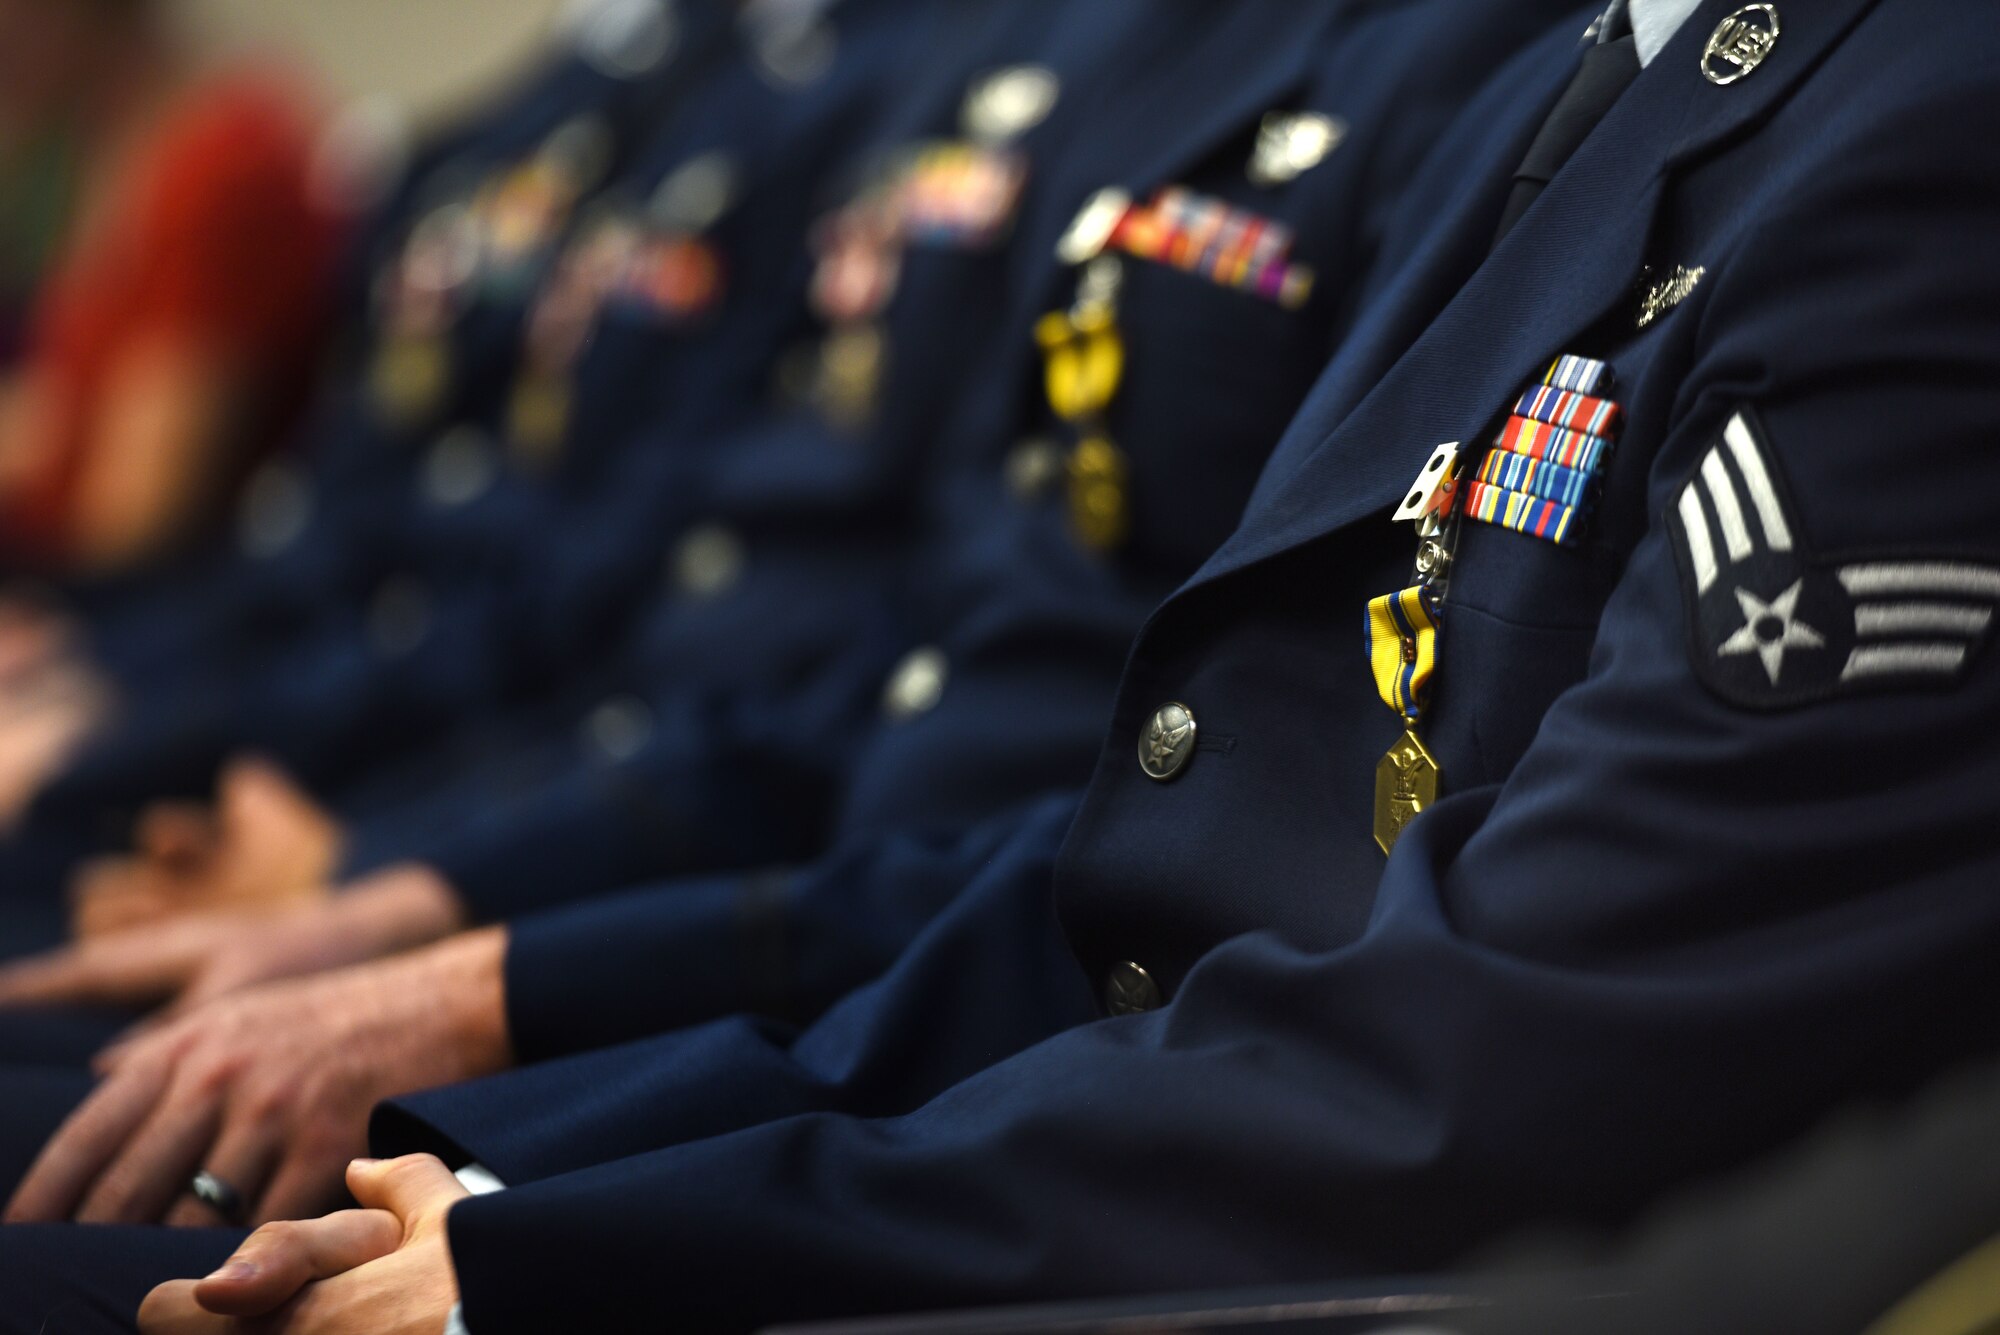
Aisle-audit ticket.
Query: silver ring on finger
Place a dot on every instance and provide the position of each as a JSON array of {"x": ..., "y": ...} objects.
[{"x": 217, "y": 1195}]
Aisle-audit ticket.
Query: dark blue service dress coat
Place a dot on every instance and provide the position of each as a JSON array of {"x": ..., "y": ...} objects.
[
  {"x": 1695, "y": 877},
  {"x": 1710, "y": 858}
]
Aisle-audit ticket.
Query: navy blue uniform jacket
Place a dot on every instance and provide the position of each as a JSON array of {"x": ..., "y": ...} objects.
[{"x": 1674, "y": 905}]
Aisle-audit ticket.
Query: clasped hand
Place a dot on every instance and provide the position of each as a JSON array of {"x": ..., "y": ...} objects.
[
  {"x": 269, "y": 1089},
  {"x": 384, "y": 1269}
]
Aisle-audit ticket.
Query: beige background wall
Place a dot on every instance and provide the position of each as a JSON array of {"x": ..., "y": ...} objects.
[{"x": 429, "y": 54}]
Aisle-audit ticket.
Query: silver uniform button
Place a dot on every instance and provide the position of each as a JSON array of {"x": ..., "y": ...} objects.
[
  {"x": 583, "y": 145},
  {"x": 917, "y": 684},
  {"x": 458, "y": 468},
  {"x": 792, "y": 40},
  {"x": 696, "y": 194},
  {"x": 1130, "y": 990},
  {"x": 1166, "y": 744},
  {"x": 1033, "y": 467},
  {"x": 707, "y": 562},
  {"x": 399, "y": 617},
  {"x": 275, "y": 512},
  {"x": 619, "y": 728},
  {"x": 624, "y": 39}
]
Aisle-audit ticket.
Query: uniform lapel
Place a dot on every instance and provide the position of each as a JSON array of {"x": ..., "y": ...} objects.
[{"x": 1576, "y": 255}]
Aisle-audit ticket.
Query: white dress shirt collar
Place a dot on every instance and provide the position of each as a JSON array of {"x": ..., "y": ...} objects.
[{"x": 1654, "y": 23}]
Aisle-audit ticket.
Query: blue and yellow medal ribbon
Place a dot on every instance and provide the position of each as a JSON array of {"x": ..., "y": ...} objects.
[
  {"x": 1402, "y": 648},
  {"x": 1541, "y": 478}
]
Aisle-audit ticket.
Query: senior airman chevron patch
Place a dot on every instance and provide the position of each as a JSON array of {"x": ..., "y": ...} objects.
[{"x": 1775, "y": 627}]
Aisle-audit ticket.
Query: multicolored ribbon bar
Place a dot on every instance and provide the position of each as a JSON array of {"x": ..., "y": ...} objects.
[
  {"x": 1572, "y": 412},
  {"x": 1523, "y": 513},
  {"x": 1539, "y": 440},
  {"x": 1538, "y": 477},
  {"x": 1402, "y": 648},
  {"x": 1541, "y": 476},
  {"x": 960, "y": 194},
  {"x": 673, "y": 276},
  {"x": 1224, "y": 244},
  {"x": 1579, "y": 375}
]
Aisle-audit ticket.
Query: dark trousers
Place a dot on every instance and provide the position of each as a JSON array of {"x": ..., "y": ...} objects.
[
  {"x": 63, "y": 1279},
  {"x": 68, "y": 1280}
]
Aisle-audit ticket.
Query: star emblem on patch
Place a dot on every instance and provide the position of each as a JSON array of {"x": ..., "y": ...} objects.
[
  {"x": 1772, "y": 625},
  {"x": 1771, "y": 629}
]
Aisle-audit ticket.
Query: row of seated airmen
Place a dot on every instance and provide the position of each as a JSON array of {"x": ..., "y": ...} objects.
[{"x": 920, "y": 656}]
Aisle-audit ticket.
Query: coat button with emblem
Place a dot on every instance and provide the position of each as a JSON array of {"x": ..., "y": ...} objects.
[
  {"x": 707, "y": 562},
  {"x": 276, "y": 510},
  {"x": 624, "y": 39},
  {"x": 1033, "y": 466},
  {"x": 1130, "y": 990},
  {"x": 399, "y": 616},
  {"x": 794, "y": 44},
  {"x": 695, "y": 195},
  {"x": 917, "y": 684},
  {"x": 458, "y": 469},
  {"x": 1166, "y": 743},
  {"x": 618, "y": 729}
]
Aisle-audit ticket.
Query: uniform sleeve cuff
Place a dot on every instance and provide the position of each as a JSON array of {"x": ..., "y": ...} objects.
[
  {"x": 594, "y": 832},
  {"x": 642, "y": 963}
]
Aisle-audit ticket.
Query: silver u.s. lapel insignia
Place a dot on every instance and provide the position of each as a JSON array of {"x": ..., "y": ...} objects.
[
  {"x": 1740, "y": 43},
  {"x": 1292, "y": 143},
  {"x": 1007, "y": 103}
]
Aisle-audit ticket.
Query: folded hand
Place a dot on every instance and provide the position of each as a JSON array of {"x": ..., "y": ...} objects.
[
  {"x": 270, "y": 1089},
  {"x": 382, "y": 1270}
]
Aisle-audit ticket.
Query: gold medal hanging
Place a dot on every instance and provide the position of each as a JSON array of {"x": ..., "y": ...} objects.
[
  {"x": 1402, "y": 654},
  {"x": 853, "y": 358},
  {"x": 538, "y": 418},
  {"x": 409, "y": 377},
  {"x": 859, "y": 267},
  {"x": 1402, "y": 636},
  {"x": 559, "y": 329},
  {"x": 1083, "y": 354}
]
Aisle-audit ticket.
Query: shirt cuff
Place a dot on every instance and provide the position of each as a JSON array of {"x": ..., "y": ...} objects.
[{"x": 478, "y": 1179}]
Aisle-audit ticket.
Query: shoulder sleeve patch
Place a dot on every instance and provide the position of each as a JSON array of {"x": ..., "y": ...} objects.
[{"x": 1772, "y": 626}]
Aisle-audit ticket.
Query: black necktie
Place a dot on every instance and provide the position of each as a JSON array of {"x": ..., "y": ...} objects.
[{"x": 1608, "y": 67}]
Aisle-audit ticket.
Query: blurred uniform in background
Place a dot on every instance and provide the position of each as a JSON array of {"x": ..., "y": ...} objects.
[
  {"x": 279, "y": 624},
  {"x": 166, "y": 333}
]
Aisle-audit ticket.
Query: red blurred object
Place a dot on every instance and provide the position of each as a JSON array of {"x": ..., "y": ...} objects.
[{"x": 214, "y": 240}]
